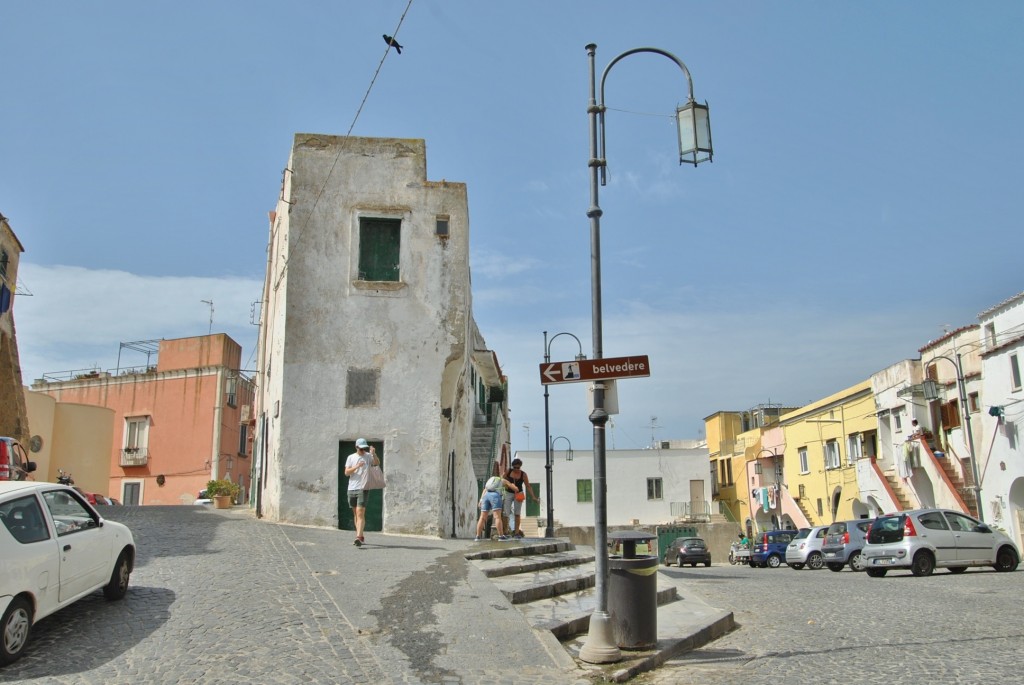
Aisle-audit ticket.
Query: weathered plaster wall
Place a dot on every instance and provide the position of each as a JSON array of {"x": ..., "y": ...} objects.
[{"x": 330, "y": 322}]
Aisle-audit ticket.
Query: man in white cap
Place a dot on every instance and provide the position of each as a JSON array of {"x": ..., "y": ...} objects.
[{"x": 357, "y": 468}]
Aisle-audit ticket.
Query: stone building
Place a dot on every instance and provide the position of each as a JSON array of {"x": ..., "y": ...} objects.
[
  {"x": 367, "y": 332},
  {"x": 13, "y": 420}
]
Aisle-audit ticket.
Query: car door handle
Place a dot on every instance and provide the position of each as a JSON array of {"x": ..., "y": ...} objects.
[{"x": 67, "y": 548}]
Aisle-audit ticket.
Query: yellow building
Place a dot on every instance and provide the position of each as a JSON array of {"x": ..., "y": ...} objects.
[
  {"x": 823, "y": 443},
  {"x": 734, "y": 444},
  {"x": 722, "y": 429}
]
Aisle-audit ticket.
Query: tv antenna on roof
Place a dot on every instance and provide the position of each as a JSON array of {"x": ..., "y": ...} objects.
[{"x": 209, "y": 302}]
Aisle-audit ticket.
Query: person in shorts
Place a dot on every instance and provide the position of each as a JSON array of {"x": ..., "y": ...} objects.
[
  {"x": 490, "y": 503},
  {"x": 512, "y": 499},
  {"x": 357, "y": 468}
]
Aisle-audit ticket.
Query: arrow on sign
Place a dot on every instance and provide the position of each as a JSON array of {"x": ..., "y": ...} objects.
[{"x": 553, "y": 373}]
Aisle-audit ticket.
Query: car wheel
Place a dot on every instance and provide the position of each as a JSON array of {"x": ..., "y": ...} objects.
[
  {"x": 876, "y": 572},
  {"x": 774, "y": 561},
  {"x": 923, "y": 564},
  {"x": 858, "y": 562},
  {"x": 815, "y": 561},
  {"x": 835, "y": 567},
  {"x": 1006, "y": 560},
  {"x": 14, "y": 630},
  {"x": 118, "y": 585},
  {"x": 693, "y": 564},
  {"x": 796, "y": 567},
  {"x": 957, "y": 569},
  {"x": 666, "y": 562},
  {"x": 752, "y": 564},
  {"x": 707, "y": 563}
]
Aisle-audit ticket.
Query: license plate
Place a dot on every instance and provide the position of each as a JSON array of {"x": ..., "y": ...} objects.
[
  {"x": 883, "y": 562},
  {"x": 830, "y": 555}
]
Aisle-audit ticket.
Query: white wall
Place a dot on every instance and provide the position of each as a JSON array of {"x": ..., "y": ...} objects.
[
  {"x": 999, "y": 444},
  {"x": 627, "y": 472},
  {"x": 321, "y": 321}
]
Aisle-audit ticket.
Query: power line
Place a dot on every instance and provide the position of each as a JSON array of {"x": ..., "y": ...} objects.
[{"x": 355, "y": 118}]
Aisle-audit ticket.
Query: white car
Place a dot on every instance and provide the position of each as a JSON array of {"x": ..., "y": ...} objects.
[{"x": 54, "y": 549}]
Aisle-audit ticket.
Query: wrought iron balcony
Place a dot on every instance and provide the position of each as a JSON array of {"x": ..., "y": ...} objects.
[{"x": 134, "y": 456}]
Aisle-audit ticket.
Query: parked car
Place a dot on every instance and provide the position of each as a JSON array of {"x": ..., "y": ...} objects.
[
  {"x": 805, "y": 550},
  {"x": 843, "y": 544},
  {"x": 54, "y": 550},
  {"x": 14, "y": 463},
  {"x": 203, "y": 498},
  {"x": 690, "y": 551},
  {"x": 925, "y": 539},
  {"x": 769, "y": 547}
]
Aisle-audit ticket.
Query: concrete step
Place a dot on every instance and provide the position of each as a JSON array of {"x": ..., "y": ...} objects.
[
  {"x": 568, "y": 615},
  {"x": 551, "y": 582},
  {"x": 683, "y": 625},
  {"x": 505, "y": 566}
]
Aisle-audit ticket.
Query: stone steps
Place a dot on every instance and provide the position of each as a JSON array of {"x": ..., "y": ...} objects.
[{"x": 552, "y": 583}]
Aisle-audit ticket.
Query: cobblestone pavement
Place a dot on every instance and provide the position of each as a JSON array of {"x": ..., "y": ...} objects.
[
  {"x": 220, "y": 597},
  {"x": 824, "y": 627}
]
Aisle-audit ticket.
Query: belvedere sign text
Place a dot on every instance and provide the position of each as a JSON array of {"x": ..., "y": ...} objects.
[{"x": 580, "y": 370}]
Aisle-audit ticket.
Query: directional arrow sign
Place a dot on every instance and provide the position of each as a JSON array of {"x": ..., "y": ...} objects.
[{"x": 580, "y": 370}]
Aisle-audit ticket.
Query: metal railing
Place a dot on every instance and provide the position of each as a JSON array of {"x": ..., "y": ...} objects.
[
  {"x": 691, "y": 510},
  {"x": 134, "y": 456}
]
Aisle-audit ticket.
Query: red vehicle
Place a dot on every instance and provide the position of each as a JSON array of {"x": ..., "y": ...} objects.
[{"x": 14, "y": 463}]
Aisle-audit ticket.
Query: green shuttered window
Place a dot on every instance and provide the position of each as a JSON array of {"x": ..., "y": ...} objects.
[{"x": 379, "y": 243}]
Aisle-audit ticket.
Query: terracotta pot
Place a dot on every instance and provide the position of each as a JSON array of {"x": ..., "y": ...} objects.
[{"x": 222, "y": 501}]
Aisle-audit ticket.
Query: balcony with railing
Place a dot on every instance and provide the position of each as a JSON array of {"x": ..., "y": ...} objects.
[{"x": 134, "y": 456}]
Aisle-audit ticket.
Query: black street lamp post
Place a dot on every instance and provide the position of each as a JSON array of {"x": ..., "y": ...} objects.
[
  {"x": 694, "y": 129},
  {"x": 549, "y": 530}
]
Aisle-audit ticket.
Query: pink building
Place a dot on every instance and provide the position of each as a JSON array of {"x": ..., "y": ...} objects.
[{"x": 178, "y": 423}]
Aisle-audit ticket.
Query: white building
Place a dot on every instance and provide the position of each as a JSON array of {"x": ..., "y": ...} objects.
[
  {"x": 367, "y": 332},
  {"x": 1002, "y": 415},
  {"x": 645, "y": 487}
]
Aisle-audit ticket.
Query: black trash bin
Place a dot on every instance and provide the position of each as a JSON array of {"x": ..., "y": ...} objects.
[{"x": 633, "y": 592}]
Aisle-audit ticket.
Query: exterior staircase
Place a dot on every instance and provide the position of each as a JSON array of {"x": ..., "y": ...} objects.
[
  {"x": 802, "y": 503},
  {"x": 894, "y": 483},
  {"x": 482, "y": 446},
  {"x": 963, "y": 488},
  {"x": 552, "y": 583}
]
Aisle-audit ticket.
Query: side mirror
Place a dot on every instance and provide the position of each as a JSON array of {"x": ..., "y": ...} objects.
[
  {"x": 30, "y": 466},
  {"x": 982, "y": 528}
]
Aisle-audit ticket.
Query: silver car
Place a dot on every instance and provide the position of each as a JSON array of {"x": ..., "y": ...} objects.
[
  {"x": 805, "y": 550},
  {"x": 843, "y": 544},
  {"x": 924, "y": 539}
]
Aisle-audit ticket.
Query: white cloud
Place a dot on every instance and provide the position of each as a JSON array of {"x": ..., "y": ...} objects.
[{"x": 76, "y": 318}]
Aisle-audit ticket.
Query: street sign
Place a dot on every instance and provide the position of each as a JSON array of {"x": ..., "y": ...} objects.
[{"x": 580, "y": 370}]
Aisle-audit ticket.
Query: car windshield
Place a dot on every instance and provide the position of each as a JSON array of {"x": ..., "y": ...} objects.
[
  {"x": 694, "y": 543},
  {"x": 886, "y": 529}
]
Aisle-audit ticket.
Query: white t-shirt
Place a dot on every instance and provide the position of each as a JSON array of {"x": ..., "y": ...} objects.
[{"x": 357, "y": 481}]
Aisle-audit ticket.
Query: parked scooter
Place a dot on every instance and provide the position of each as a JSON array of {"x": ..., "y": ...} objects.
[{"x": 64, "y": 477}]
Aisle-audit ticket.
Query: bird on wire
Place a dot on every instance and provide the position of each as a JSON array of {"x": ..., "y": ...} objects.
[{"x": 393, "y": 43}]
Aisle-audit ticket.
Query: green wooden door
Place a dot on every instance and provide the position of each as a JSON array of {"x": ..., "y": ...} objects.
[
  {"x": 532, "y": 506},
  {"x": 375, "y": 501}
]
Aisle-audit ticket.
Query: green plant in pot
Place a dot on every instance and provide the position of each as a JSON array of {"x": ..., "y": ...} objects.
[{"x": 223, "y": 489}]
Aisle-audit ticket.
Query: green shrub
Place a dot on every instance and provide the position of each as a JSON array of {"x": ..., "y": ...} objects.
[{"x": 222, "y": 487}]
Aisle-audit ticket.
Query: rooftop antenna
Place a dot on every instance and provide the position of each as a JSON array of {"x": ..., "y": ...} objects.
[
  {"x": 209, "y": 302},
  {"x": 526, "y": 427},
  {"x": 654, "y": 425}
]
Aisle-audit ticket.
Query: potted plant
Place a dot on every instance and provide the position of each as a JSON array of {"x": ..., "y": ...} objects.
[{"x": 222, "y": 492}]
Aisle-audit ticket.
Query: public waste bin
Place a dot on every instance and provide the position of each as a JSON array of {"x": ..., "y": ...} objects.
[{"x": 633, "y": 591}]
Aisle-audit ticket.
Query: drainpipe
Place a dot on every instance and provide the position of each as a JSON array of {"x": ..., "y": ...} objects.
[{"x": 218, "y": 409}]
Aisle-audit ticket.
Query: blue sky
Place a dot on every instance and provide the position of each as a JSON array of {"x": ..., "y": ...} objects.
[{"x": 865, "y": 193}]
